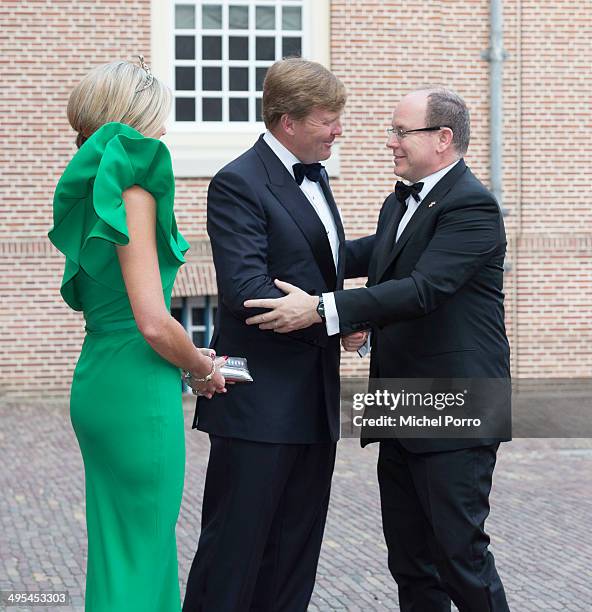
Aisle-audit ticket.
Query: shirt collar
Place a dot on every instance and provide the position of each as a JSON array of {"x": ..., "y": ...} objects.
[
  {"x": 430, "y": 181},
  {"x": 285, "y": 155}
]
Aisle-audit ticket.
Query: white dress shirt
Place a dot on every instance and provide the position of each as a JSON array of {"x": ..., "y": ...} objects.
[
  {"x": 429, "y": 182},
  {"x": 313, "y": 192}
]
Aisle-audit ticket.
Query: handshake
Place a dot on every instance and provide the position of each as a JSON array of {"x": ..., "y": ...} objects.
[{"x": 354, "y": 341}]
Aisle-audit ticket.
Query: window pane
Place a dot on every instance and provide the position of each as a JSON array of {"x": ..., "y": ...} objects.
[
  {"x": 197, "y": 316},
  {"x": 265, "y": 48},
  {"x": 211, "y": 79},
  {"x": 239, "y": 109},
  {"x": 292, "y": 18},
  {"x": 185, "y": 47},
  {"x": 291, "y": 47},
  {"x": 238, "y": 17},
  {"x": 259, "y": 78},
  {"x": 211, "y": 15},
  {"x": 238, "y": 48},
  {"x": 265, "y": 17},
  {"x": 185, "y": 109},
  {"x": 184, "y": 78},
  {"x": 184, "y": 16},
  {"x": 198, "y": 338},
  {"x": 239, "y": 79},
  {"x": 211, "y": 47},
  {"x": 212, "y": 324},
  {"x": 211, "y": 109},
  {"x": 177, "y": 313}
]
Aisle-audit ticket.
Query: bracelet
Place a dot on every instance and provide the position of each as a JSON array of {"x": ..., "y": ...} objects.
[
  {"x": 209, "y": 376},
  {"x": 188, "y": 378}
]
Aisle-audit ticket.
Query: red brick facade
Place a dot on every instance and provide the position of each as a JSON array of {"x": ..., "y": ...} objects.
[{"x": 380, "y": 50}]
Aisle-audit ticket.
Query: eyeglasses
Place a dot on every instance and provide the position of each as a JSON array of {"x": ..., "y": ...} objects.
[{"x": 399, "y": 134}]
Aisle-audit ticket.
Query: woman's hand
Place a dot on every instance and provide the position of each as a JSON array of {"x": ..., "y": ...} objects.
[{"x": 216, "y": 384}]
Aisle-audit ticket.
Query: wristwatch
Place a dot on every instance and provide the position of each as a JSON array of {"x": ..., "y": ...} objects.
[{"x": 321, "y": 308}]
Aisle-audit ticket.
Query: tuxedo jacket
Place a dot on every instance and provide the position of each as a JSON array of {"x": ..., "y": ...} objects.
[
  {"x": 434, "y": 298},
  {"x": 262, "y": 227}
]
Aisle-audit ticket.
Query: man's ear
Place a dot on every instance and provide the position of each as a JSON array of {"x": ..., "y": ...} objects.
[
  {"x": 444, "y": 139},
  {"x": 287, "y": 124}
]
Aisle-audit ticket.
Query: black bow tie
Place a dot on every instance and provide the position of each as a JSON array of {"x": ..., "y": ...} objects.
[
  {"x": 311, "y": 171},
  {"x": 403, "y": 191}
]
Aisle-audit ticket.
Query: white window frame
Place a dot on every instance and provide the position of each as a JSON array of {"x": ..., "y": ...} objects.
[
  {"x": 200, "y": 150},
  {"x": 208, "y": 304},
  {"x": 251, "y": 33}
]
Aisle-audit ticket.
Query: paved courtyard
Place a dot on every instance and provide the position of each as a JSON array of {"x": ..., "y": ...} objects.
[{"x": 541, "y": 523}]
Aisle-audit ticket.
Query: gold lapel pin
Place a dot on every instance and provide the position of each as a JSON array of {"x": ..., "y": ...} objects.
[{"x": 431, "y": 204}]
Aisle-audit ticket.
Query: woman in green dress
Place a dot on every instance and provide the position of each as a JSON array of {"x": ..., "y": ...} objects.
[{"x": 114, "y": 222}]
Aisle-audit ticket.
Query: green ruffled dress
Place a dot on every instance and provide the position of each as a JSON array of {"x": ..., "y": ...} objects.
[{"x": 125, "y": 400}]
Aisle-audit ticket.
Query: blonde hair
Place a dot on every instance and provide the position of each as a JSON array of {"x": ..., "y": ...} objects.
[
  {"x": 295, "y": 86},
  {"x": 114, "y": 92}
]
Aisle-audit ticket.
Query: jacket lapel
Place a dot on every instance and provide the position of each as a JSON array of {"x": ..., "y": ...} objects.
[
  {"x": 427, "y": 206},
  {"x": 290, "y": 196},
  {"x": 386, "y": 242},
  {"x": 324, "y": 183}
]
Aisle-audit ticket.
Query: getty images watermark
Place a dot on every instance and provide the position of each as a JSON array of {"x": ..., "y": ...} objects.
[
  {"x": 389, "y": 401},
  {"x": 426, "y": 408}
]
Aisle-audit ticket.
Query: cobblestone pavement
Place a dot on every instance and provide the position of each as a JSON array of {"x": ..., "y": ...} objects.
[{"x": 540, "y": 523}]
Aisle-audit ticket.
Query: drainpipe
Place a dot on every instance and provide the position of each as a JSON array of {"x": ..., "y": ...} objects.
[{"x": 496, "y": 55}]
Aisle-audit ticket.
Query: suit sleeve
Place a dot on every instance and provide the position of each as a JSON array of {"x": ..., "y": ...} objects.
[
  {"x": 237, "y": 228},
  {"x": 358, "y": 253},
  {"x": 357, "y": 256},
  {"x": 466, "y": 237}
]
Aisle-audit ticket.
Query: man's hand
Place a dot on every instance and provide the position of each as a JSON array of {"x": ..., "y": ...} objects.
[
  {"x": 296, "y": 310},
  {"x": 352, "y": 342}
]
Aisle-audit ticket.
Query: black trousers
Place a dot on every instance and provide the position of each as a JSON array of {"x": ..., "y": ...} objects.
[
  {"x": 434, "y": 507},
  {"x": 264, "y": 511}
]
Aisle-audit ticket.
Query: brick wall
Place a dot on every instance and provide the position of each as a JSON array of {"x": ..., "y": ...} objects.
[
  {"x": 380, "y": 49},
  {"x": 41, "y": 336},
  {"x": 45, "y": 48}
]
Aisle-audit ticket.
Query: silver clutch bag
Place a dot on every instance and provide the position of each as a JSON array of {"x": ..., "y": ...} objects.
[{"x": 236, "y": 370}]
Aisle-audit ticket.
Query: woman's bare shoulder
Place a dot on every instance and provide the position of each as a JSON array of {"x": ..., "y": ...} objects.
[{"x": 136, "y": 194}]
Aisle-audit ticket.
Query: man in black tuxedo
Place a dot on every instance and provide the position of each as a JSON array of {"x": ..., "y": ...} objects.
[
  {"x": 434, "y": 307},
  {"x": 271, "y": 214}
]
